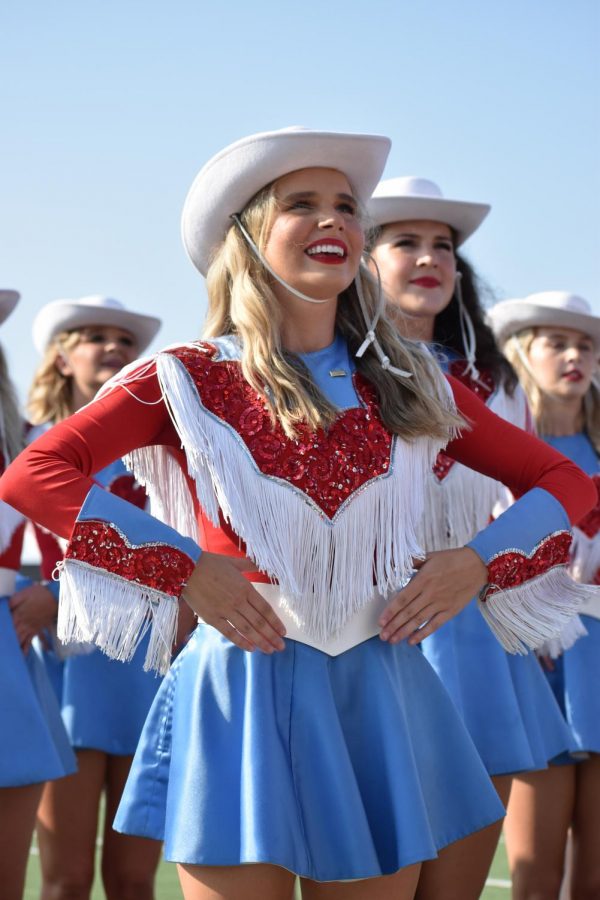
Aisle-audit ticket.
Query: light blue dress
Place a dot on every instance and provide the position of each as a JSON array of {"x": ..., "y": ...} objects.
[
  {"x": 503, "y": 699},
  {"x": 575, "y": 679},
  {"x": 342, "y": 767},
  {"x": 33, "y": 744}
]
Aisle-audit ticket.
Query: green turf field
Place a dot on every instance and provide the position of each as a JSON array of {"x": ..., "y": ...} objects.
[{"x": 167, "y": 885}]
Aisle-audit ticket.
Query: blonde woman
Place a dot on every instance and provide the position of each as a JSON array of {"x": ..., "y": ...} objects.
[
  {"x": 104, "y": 703},
  {"x": 33, "y": 744},
  {"x": 553, "y": 341},
  {"x": 301, "y": 731},
  {"x": 504, "y": 700}
]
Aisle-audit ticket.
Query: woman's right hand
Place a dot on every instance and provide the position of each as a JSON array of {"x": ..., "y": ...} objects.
[
  {"x": 33, "y": 609},
  {"x": 222, "y": 597}
]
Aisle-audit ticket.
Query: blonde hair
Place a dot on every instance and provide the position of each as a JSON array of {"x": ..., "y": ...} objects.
[
  {"x": 516, "y": 349},
  {"x": 51, "y": 393},
  {"x": 11, "y": 422},
  {"x": 241, "y": 301}
]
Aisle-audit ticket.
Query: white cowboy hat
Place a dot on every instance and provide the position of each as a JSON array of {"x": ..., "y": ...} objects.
[
  {"x": 67, "y": 315},
  {"x": 544, "y": 310},
  {"x": 228, "y": 181},
  {"x": 8, "y": 301},
  {"x": 413, "y": 198}
]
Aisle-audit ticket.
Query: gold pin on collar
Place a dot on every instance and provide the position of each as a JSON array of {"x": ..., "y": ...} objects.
[{"x": 337, "y": 373}]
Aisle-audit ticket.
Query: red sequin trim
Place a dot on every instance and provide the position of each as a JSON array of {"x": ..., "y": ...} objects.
[
  {"x": 513, "y": 567},
  {"x": 328, "y": 466},
  {"x": 158, "y": 566},
  {"x": 590, "y": 524},
  {"x": 126, "y": 487}
]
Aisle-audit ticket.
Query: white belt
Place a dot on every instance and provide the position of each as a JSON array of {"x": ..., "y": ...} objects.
[
  {"x": 360, "y": 627},
  {"x": 8, "y": 579}
]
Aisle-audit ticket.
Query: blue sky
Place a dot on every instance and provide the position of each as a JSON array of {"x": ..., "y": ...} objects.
[{"x": 109, "y": 109}]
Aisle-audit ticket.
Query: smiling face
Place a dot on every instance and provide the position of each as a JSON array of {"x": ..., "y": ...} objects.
[
  {"x": 563, "y": 361},
  {"x": 101, "y": 351},
  {"x": 316, "y": 239},
  {"x": 417, "y": 266}
]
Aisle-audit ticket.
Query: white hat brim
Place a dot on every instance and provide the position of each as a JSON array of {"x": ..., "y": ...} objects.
[
  {"x": 227, "y": 183},
  {"x": 68, "y": 315},
  {"x": 512, "y": 316},
  {"x": 8, "y": 301},
  {"x": 464, "y": 218}
]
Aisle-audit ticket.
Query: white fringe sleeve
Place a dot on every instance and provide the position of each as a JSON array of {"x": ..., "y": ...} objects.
[{"x": 123, "y": 574}]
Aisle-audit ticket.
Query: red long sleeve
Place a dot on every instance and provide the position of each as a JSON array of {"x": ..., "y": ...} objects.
[
  {"x": 517, "y": 459},
  {"x": 50, "y": 479}
]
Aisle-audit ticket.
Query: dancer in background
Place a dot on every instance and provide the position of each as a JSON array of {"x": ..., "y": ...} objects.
[
  {"x": 301, "y": 730},
  {"x": 504, "y": 700},
  {"x": 104, "y": 702},
  {"x": 553, "y": 341},
  {"x": 33, "y": 745}
]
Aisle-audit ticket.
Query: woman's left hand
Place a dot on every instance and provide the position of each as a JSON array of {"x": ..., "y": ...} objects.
[{"x": 445, "y": 583}]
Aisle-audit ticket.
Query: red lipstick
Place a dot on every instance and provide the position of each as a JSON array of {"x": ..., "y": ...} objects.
[
  {"x": 330, "y": 251},
  {"x": 426, "y": 281}
]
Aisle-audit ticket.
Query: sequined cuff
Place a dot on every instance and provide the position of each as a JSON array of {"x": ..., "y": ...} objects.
[
  {"x": 531, "y": 602},
  {"x": 513, "y": 567},
  {"x": 158, "y": 566},
  {"x": 122, "y": 575}
]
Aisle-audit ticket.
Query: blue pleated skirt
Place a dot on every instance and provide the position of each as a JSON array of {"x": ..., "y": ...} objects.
[
  {"x": 503, "y": 699},
  {"x": 576, "y": 685},
  {"x": 33, "y": 743},
  {"x": 104, "y": 703},
  {"x": 335, "y": 768}
]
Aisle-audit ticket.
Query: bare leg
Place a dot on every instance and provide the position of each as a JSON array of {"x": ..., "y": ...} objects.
[
  {"x": 128, "y": 863},
  {"x": 252, "y": 882},
  {"x": 17, "y": 818},
  {"x": 536, "y": 828},
  {"x": 460, "y": 870},
  {"x": 67, "y": 826},
  {"x": 400, "y": 886},
  {"x": 585, "y": 883}
]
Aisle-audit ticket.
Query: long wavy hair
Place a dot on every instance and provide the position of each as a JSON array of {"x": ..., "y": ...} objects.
[
  {"x": 516, "y": 349},
  {"x": 10, "y": 420},
  {"x": 51, "y": 393},
  {"x": 241, "y": 301}
]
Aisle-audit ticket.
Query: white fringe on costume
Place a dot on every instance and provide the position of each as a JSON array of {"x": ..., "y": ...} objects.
[
  {"x": 161, "y": 476},
  {"x": 540, "y": 614},
  {"x": 327, "y": 569},
  {"x": 462, "y": 504},
  {"x": 115, "y": 614},
  {"x": 555, "y": 647}
]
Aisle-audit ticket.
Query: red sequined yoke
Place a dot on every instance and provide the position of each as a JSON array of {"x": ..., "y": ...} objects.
[{"x": 328, "y": 466}]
